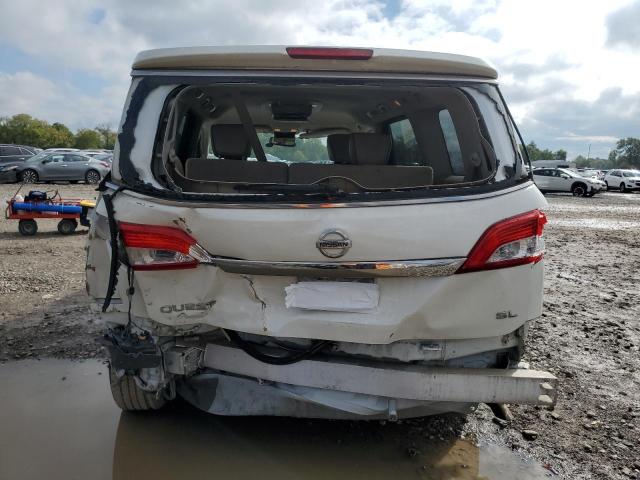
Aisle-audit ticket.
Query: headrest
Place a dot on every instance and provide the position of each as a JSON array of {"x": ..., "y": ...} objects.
[
  {"x": 338, "y": 148},
  {"x": 369, "y": 148},
  {"x": 230, "y": 142}
]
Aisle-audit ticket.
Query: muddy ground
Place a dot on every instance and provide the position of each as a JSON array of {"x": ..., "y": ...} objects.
[{"x": 589, "y": 336}]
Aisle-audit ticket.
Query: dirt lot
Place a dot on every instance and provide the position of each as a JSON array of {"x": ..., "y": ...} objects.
[{"x": 589, "y": 334}]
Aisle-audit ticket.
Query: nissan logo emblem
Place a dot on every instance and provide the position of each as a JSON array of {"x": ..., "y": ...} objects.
[{"x": 333, "y": 243}]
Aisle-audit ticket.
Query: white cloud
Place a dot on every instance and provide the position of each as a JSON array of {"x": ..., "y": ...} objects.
[
  {"x": 24, "y": 92},
  {"x": 549, "y": 52}
]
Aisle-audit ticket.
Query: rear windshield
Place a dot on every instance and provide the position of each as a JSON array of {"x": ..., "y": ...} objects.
[{"x": 318, "y": 138}]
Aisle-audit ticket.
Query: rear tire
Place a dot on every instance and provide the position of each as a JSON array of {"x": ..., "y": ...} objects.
[
  {"x": 623, "y": 189},
  {"x": 27, "y": 227},
  {"x": 92, "y": 177},
  {"x": 67, "y": 226},
  {"x": 29, "y": 176},
  {"x": 131, "y": 398}
]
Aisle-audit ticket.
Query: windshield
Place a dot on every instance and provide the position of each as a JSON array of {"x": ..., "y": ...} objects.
[{"x": 350, "y": 138}]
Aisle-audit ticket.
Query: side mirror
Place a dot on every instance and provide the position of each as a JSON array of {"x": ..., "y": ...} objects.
[
  {"x": 45, "y": 161},
  {"x": 565, "y": 176}
]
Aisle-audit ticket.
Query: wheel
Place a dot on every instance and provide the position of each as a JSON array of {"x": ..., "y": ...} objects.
[
  {"x": 30, "y": 176},
  {"x": 130, "y": 397},
  {"x": 606, "y": 186},
  {"x": 623, "y": 189},
  {"x": 92, "y": 176},
  {"x": 578, "y": 190},
  {"x": 67, "y": 226},
  {"x": 27, "y": 227}
]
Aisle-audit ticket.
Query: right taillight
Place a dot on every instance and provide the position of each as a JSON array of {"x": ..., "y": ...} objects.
[{"x": 507, "y": 243}]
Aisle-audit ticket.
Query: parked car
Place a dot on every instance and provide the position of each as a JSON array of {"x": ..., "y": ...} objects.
[
  {"x": 8, "y": 173},
  {"x": 104, "y": 157},
  {"x": 61, "y": 150},
  {"x": 47, "y": 166},
  {"x": 564, "y": 180},
  {"x": 590, "y": 173},
  {"x": 624, "y": 180},
  {"x": 387, "y": 267},
  {"x": 10, "y": 154}
]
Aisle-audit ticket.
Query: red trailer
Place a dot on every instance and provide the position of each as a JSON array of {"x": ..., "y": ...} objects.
[{"x": 68, "y": 211}]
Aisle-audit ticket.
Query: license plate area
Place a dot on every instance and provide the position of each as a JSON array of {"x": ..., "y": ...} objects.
[{"x": 332, "y": 296}]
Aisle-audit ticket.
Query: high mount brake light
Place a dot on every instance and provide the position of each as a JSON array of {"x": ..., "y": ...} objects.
[
  {"x": 507, "y": 243},
  {"x": 330, "y": 53},
  {"x": 152, "y": 247}
]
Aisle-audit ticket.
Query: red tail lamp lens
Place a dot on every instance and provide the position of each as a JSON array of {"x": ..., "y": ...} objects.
[
  {"x": 152, "y": 247},
  {"x": 514, "y": 241}
]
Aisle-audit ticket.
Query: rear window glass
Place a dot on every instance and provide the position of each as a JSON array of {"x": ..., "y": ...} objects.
[{"x": 225, "y": 138}]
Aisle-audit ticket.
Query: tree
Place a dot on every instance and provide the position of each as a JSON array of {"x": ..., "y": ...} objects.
[
  {"x": 537, "y": 154},
  {"x": 60, "y": 136},
  {"x": 86, "y": 138},
  {"x": 23, "y": 129},
  {"x": 108, "y": 136},
  {"x": 560, "y": 155},
  {"x": 626, "y": 153}
]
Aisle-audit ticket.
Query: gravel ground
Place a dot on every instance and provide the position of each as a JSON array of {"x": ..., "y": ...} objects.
[{"x": 589, "y": 334}]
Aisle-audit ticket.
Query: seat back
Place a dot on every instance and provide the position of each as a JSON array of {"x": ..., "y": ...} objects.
[
  {"x": 232, "y": 147},
  {"x": 367, "y": 165}
]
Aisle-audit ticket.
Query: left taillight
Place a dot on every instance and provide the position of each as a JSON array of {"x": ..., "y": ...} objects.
[
  {"x": 514, "y": 241},
  {"x": 153, "y": 247}
]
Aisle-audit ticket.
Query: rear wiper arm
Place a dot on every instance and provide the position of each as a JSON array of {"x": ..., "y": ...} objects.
[{"x": 272, "y": 187}]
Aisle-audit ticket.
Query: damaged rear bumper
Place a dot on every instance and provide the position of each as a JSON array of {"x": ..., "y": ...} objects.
[{"x": 237, "y": 384}]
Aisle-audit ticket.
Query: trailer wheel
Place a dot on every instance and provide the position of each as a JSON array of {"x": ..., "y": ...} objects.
[
  {"x": 67, "y": 226},
  {"x": 27, "y": 227},
  {"x": 129, "y": 397}
]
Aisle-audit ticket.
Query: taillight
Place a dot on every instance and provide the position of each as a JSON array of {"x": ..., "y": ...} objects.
[
  {"x": 510, "y": 242},
  {"x": 151, "y": 247},
  {"x": 330, "y": 53}
]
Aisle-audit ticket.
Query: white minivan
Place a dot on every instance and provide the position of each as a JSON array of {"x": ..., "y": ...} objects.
[{"x": 318, "y": 232}]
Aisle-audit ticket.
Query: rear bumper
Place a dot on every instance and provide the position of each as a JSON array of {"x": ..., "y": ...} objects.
[{"x": 346, "y": 389}]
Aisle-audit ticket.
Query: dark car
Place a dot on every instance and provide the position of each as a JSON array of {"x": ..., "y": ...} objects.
[
  {"x": 11, "y": 154},
  {"x": 8, "y": 173}
]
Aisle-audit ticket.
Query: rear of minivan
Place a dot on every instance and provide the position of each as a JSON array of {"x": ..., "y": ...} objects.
[{"x": 318, "y": 232}]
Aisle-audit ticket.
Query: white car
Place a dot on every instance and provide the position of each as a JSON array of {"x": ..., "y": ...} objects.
[
  {"x": 624, "y": 180},
  {"x": 385, "y": 263},
  {"x": 565, "y": 180}
]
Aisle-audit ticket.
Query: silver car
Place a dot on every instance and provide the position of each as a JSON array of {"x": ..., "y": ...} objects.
[{"x": 70, "y": 166}]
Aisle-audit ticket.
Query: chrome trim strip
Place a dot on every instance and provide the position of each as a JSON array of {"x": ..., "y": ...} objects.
[
  {"x": 317, "y": 74},
  {"x": 310, "y": 206},
  {"x": 437, "y": 267}
]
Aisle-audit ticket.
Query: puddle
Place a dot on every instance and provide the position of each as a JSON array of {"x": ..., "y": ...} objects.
[{"x": 70, "y": 429}]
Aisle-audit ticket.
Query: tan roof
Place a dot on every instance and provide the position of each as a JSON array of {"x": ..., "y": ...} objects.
[{"x": 276, "y": 58}]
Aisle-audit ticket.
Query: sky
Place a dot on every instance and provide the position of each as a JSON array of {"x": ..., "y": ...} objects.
[{"x": 570, "y": 70}]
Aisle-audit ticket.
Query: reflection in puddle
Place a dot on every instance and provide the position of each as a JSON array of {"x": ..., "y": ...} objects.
[{"x": 63, "y": 429}]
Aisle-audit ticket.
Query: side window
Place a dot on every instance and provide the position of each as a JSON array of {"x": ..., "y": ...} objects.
[
  {"x": 451, "y": 140},
  {"x": 542, "y": 173},
  {"x": 405, "y": 150},
  {"x": 76, "y": 158},
  {"x": 56, "y": 158},
  {"x": 11, "y": 151}
]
